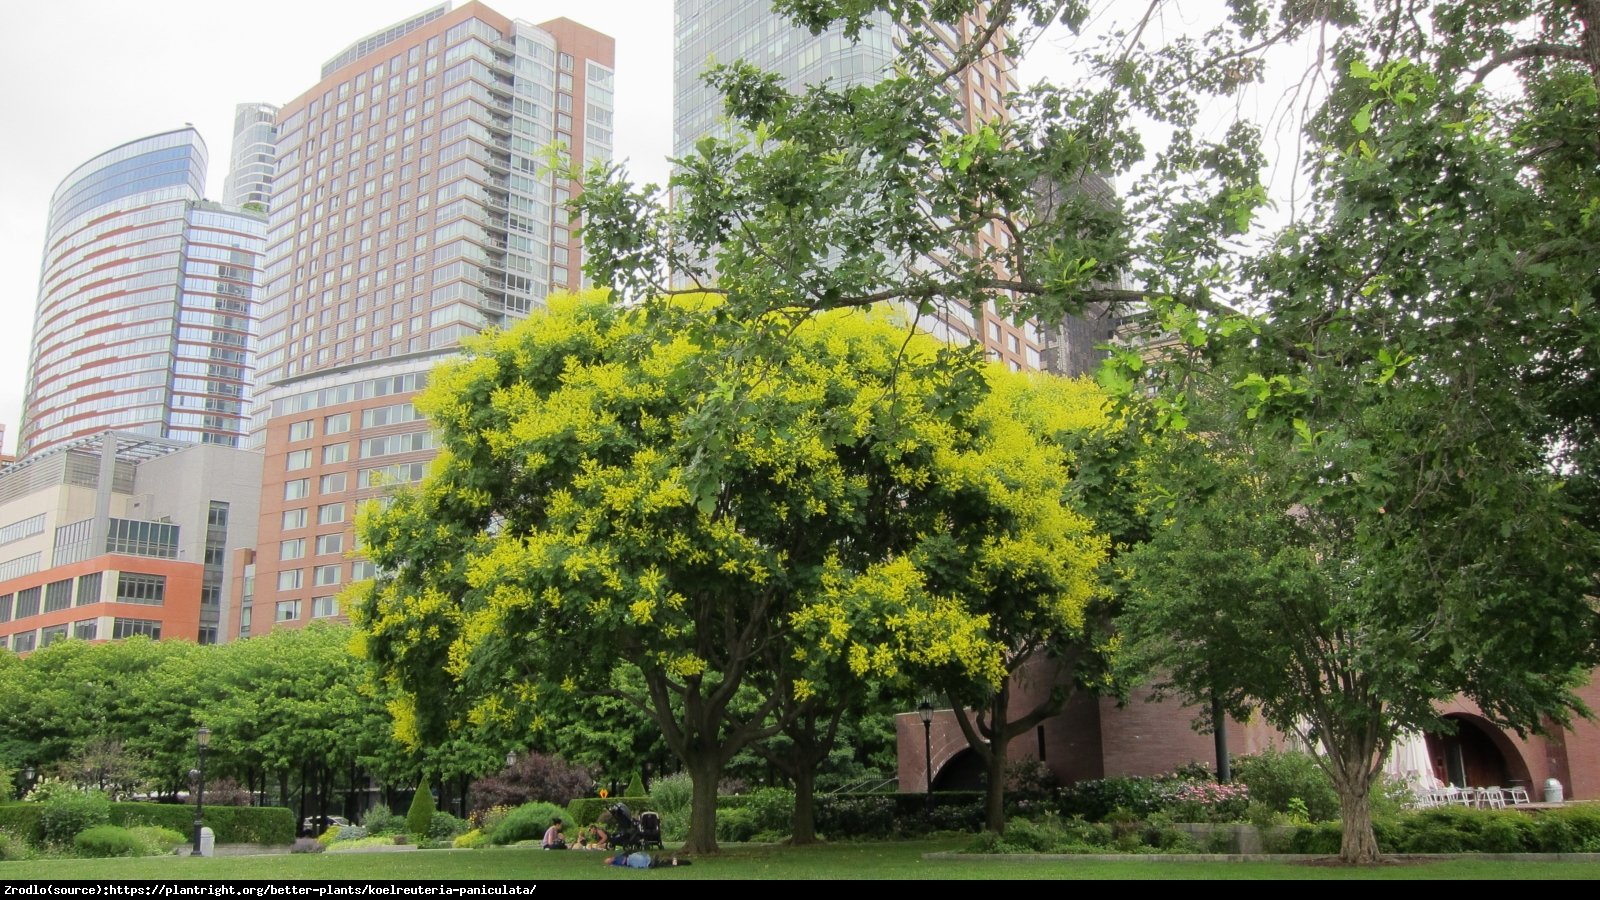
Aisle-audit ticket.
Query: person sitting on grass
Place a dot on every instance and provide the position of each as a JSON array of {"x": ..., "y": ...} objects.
[
  {"x": 644, "y": 861},
  {"x": 553, "y": 840},
  {"x": 594, "y": 838}
]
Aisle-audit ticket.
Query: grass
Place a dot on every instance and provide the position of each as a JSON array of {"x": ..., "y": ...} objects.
[{"x": 900, "y": 860}]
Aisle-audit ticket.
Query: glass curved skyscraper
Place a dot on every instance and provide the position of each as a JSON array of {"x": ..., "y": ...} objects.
[{"x": 147, "y": 302}]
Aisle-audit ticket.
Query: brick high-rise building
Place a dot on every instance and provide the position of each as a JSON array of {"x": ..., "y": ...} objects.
[
  {"x": 412, "y": 207},
  {"x": 723, "y": 31},
  {"x": 147, "y": 300}
]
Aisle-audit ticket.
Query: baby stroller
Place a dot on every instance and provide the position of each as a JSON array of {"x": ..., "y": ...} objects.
[{"x": 630, "y": 833}]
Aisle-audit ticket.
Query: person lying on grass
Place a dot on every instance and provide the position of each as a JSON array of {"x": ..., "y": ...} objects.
[{"x": 644, "y": 861}]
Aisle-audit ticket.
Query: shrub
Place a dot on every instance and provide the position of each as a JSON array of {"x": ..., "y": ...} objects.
[
  {"x": 446, "y": 827},
  {"x": 329, "y": 834},
  {"x": 526, "y": 823},
  {"x": 470, "y": 840},
  {"x": 772, "y": 809},
  {"x": 343, "y": 834},
  {"x": 1277, "y": 778},
  {"x": 306, "y": 845},
  {"x": 737, "y": 825},
  {"x": 158, "y": 841},
  {"x": 420, "y": 816},
  {"x": 381, "y": 820},
  {"x": 13, "y": 847},
  {"x": 635, "y": 787},
  {"x": 227, "y": 792},
  {"x": 533, "y": 777},
  {"x": 108, "y": 840},
  {"x": 67, "y": 811},
  {"x": 673, "y": 795},
  {"x": 1029, "y": 776},
  {"x": 1207, "y": 801},
  {"x": 1094, "y": 800}
]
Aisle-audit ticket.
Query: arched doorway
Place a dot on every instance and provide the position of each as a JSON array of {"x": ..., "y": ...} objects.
[
  {"x": 963, "y": 772},
  {"x": 1477, "y": 755}
]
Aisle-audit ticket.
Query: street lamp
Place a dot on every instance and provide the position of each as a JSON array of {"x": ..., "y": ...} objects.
[
  {"x": 27, "y": 780},
  {"x": 202, "y": 738},
  {"x": 926, "y": 712}
]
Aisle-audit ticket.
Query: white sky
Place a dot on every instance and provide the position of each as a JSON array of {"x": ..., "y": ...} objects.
[{"x": 79, "y": 77}]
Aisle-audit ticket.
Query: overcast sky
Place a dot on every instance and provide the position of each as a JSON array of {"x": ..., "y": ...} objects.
[{"x": 79, "y": 77}]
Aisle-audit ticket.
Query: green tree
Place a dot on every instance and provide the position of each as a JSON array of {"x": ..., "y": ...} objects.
[
  {"x": 1419, "y": 382},
  {"x": 570, "y": 524}
]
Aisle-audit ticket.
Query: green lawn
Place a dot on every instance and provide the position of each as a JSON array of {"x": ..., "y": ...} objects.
[{"x": 841, "y": 861}]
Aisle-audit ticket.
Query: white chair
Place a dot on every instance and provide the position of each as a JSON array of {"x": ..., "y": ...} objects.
[
  {"x": 1517, "y": 795},
  {"x": 1491, "y": 798}
]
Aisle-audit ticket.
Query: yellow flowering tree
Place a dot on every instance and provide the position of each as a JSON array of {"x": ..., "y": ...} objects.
[{"x": 587, "y": 511}]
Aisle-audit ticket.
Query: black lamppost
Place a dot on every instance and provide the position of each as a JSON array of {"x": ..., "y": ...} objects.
[
  {"x": 926, "y": 712},
  {"x": 202, "y": 737},
  {"x": 27, "y": 780}
]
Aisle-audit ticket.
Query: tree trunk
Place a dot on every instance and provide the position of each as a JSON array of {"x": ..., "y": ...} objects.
[
  {"x": 994, "y": 799},
  {"x": 1359, "y": 845},
  {"x": 804, "y": 828},
  {"x": 705, "y": 771}
]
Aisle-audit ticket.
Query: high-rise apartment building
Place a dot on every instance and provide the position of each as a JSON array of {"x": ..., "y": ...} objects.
[
  {"x": 146, "y": 302},
  {"x": 251, "y": 163},
  {"x": 723, "y": 31},
  {"x": 412, "y": 206}
]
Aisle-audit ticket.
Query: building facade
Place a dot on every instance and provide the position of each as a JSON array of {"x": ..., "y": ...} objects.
[
  {"x": 724, "y": 31},
  {"x": 413, "y": 207},
  {"x": 253, "y": 158},
  {"x": 147, "y": 299},
  {"x": 119, "y": 534}
]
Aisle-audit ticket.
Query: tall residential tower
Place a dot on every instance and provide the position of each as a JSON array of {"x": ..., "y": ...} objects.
[
  {"x": 722, "y": 31},
  {"x": 251, "y": 162},
  {"x": 413, "y": 206},
  {"x": 146, "y": 302}
]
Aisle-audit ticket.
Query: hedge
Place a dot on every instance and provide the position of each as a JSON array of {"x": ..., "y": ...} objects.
[
  {"x": 232, "y": 824},
  {"x": 1573, "y": 829}
]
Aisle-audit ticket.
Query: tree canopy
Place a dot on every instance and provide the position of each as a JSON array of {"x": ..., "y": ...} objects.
[{"x": 570, "y": 526}]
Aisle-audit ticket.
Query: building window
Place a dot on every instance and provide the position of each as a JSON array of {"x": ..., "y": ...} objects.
[
  {"x": 335, "y": 453},
  {"x": 89, "y": 588},
  {"x": 290, "y": 580},
  {"x": 325, "y": 575},
  {"x": 336, "y": 424},
  {"x": 362, "y": 570},
  {"x": 127, "y": 628},
  {"x": 23, "y": 642},
  {"x": 5, "y": 607},
  {"x": 333, "y": 484},
  {"x": 294, "y": 518},
  {"x": 208, "y": 634},
  {"x": 322, "y": 607},
  {"x": 52, "y": 634},
  {"x": 246, "y": 614},
  {"x": 134, "y": 538},
  {"x": 287, "y": 611},
  {"x": 58, "y": 595},
  {"x": 23, "y": 529},
  {"x": 330, "y": 514},
  {"x": 27, "y": 602},
  {"x": 86, "y": 629},
  {"x": 146, "y": 590},
  {"x": 298, "y": 489},
  {"x": 300, "y": 431},
  {"x": 22, "y": 565},
  {"x": 292, "y": 549},
  {"x": 330, "y": 543},
  {"x": 297, "y": 460}
]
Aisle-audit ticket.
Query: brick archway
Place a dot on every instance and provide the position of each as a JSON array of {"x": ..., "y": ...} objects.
[{"x": 1479, "y": 754}]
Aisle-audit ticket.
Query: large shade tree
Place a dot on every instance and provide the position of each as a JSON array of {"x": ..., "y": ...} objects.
[{"x": 580, "y": 518}]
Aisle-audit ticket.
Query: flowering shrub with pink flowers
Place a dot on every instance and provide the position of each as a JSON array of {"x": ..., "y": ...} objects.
[{"x": 1206, "y": 801}]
